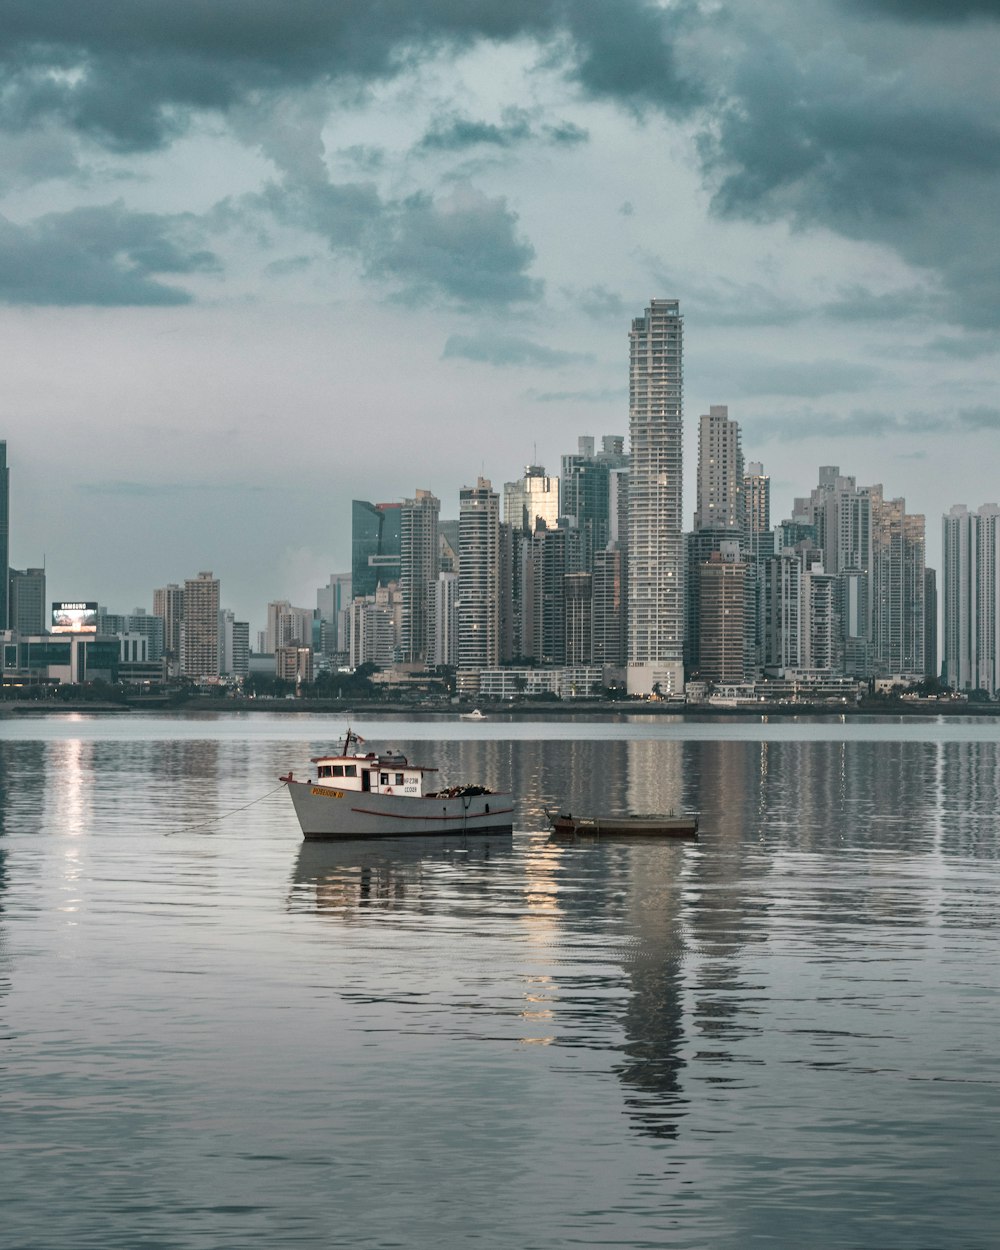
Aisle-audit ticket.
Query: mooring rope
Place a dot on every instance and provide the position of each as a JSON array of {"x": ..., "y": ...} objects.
[{"x": 215, "y": 819}]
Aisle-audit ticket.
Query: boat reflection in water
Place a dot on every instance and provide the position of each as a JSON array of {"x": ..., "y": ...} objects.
[{"x": 407, "y": 874}]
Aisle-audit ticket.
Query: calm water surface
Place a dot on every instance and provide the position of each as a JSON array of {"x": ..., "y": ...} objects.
[{"x": 214, "y": 1036}]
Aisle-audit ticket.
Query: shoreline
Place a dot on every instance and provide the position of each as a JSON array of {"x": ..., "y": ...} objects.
[{"x": 506, "y": 711}]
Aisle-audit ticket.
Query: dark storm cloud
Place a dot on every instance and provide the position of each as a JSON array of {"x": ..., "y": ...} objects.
[
  {"x": 859, "y": 304},
  {"x": 871, "y": 152},
  {"x": 343, "y": 213},
  {"x": 455, "y": 133},
  {"x": 100, "y": 255},
  {"x": 500, "y": 349},
  {"x": 465, "y": 248},
  {"x": 128, "y": 74},
  {"x": 929, "y": 10},
  {"x": 824, "y": 138}
]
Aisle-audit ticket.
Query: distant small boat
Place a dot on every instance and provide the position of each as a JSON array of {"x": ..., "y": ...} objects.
[
  {"x": 473, "y": 715},
  {"x": 565, "y": 825}
]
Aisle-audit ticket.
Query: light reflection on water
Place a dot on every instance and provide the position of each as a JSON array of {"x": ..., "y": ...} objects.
[{"x": 218, "y": 1035}]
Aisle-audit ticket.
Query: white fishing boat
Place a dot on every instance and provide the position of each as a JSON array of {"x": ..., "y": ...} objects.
[
  {"x": 475, "y": 714},
  {"x": 355, "y": 794}
]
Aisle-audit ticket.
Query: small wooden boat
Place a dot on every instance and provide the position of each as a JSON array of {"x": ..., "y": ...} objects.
[{"x": 565, "y": 825}]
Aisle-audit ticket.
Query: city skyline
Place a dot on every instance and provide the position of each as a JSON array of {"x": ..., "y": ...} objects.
[{"x": 250, "y": 269}]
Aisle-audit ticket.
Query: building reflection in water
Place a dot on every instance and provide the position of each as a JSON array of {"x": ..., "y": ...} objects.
[
  {"x": 652, "y": 952},
  {"x": 343, "y": 880}
]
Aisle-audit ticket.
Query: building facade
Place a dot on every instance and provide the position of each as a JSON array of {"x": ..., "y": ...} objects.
[
  {"x": 533, "y": 498},
  {"x": 419, "y": 561},
  {"x": 200, "y": 634},
  {"x": 168, "y": 605},
  {"x": 479, "y": 576},
  {"x": 375, "y": 545},
  {"x": 970, "y": 598},
  {"x": 655, "y": 531},
  {"x": 27, "y": 601}
]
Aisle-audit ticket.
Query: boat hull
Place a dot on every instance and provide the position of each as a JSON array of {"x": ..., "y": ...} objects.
[
  {"x": 625, "y": 826},
  {"x": 325, "y": 813}
]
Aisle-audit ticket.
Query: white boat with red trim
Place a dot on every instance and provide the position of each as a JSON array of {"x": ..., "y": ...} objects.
[{"x": 357, "y": 794}]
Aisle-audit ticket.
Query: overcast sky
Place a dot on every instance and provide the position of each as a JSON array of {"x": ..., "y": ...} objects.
[{"x": 261, "y": 257}]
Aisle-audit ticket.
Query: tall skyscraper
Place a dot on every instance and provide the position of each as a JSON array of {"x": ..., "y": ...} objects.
[
  {"x": 4, "y": 536},
  {"x": 479, "y": 576},
  {"x": 168, "y": 605},
  {"x": 585, "y": 492},
  {"x": 608, "y": 621},
  {"x": 444, "y": 622},
  {"x": 331, "y": 603},
  {"x": 419, "y": 560},
  {"x": 533, "y": 498},
  {"x": 200, "y": 634},
  {"x": 970, "y": 598},
  {"x": 722, "y": 621},
  {"x": 719, "y": 519},
  {"x": 656, "y": 536},
  {"x": 757, "y": 511},
  {"x": 720, "y": 472},
  {"x": 375, "y": 540}
]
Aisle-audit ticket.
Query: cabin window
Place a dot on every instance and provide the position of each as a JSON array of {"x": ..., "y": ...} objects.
[
  {"x": 399, "y": 779},
  {"x": 350, "y": 770},
  {"x": 383, "y": 779},
  {"x": 338, "y": 770},
  {"x": 323, "y": 770}
]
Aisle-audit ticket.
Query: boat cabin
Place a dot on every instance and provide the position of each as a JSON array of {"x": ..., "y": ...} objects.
[{"x": 391, "y": 773}]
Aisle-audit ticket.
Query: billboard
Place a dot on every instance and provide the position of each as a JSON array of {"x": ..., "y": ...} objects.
[{"x": 74, "y": 618}]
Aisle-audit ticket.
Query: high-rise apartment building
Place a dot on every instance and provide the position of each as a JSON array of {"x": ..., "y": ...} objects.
[
  {"x": 897, "y": 587},
  {"x": 200, "y": 633},
  {"x": 970, "y": 598},
  {"x": 757, "y": 512},
  {"x": 608, "y": 620},
  {"x": 579, "y": 616},
  {"x": 655, "y": 531},
  {"x": 720, "y": 473},
  {"x": 443, "y": 642},
  {"x": 234, "y": 644},
  {"x": 723, "y": 618},
  {"x": 26, "y": 610},
  {"x": 419, "y": 560},
  {"x": 331, "y": 605},
  {"x": 719, "y": 520},
  {"x": 4, "y": 536},
  {"x": 531, "y": 499},
  {"x": 168, "y": 605},
  {"x": 479, "y": 576},
  {"x": 585, "y": 492},
  {"x": 548, "y": 595}
]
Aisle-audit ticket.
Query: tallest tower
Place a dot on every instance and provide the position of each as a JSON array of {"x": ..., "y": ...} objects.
[{"x": 655, "y": 533}]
